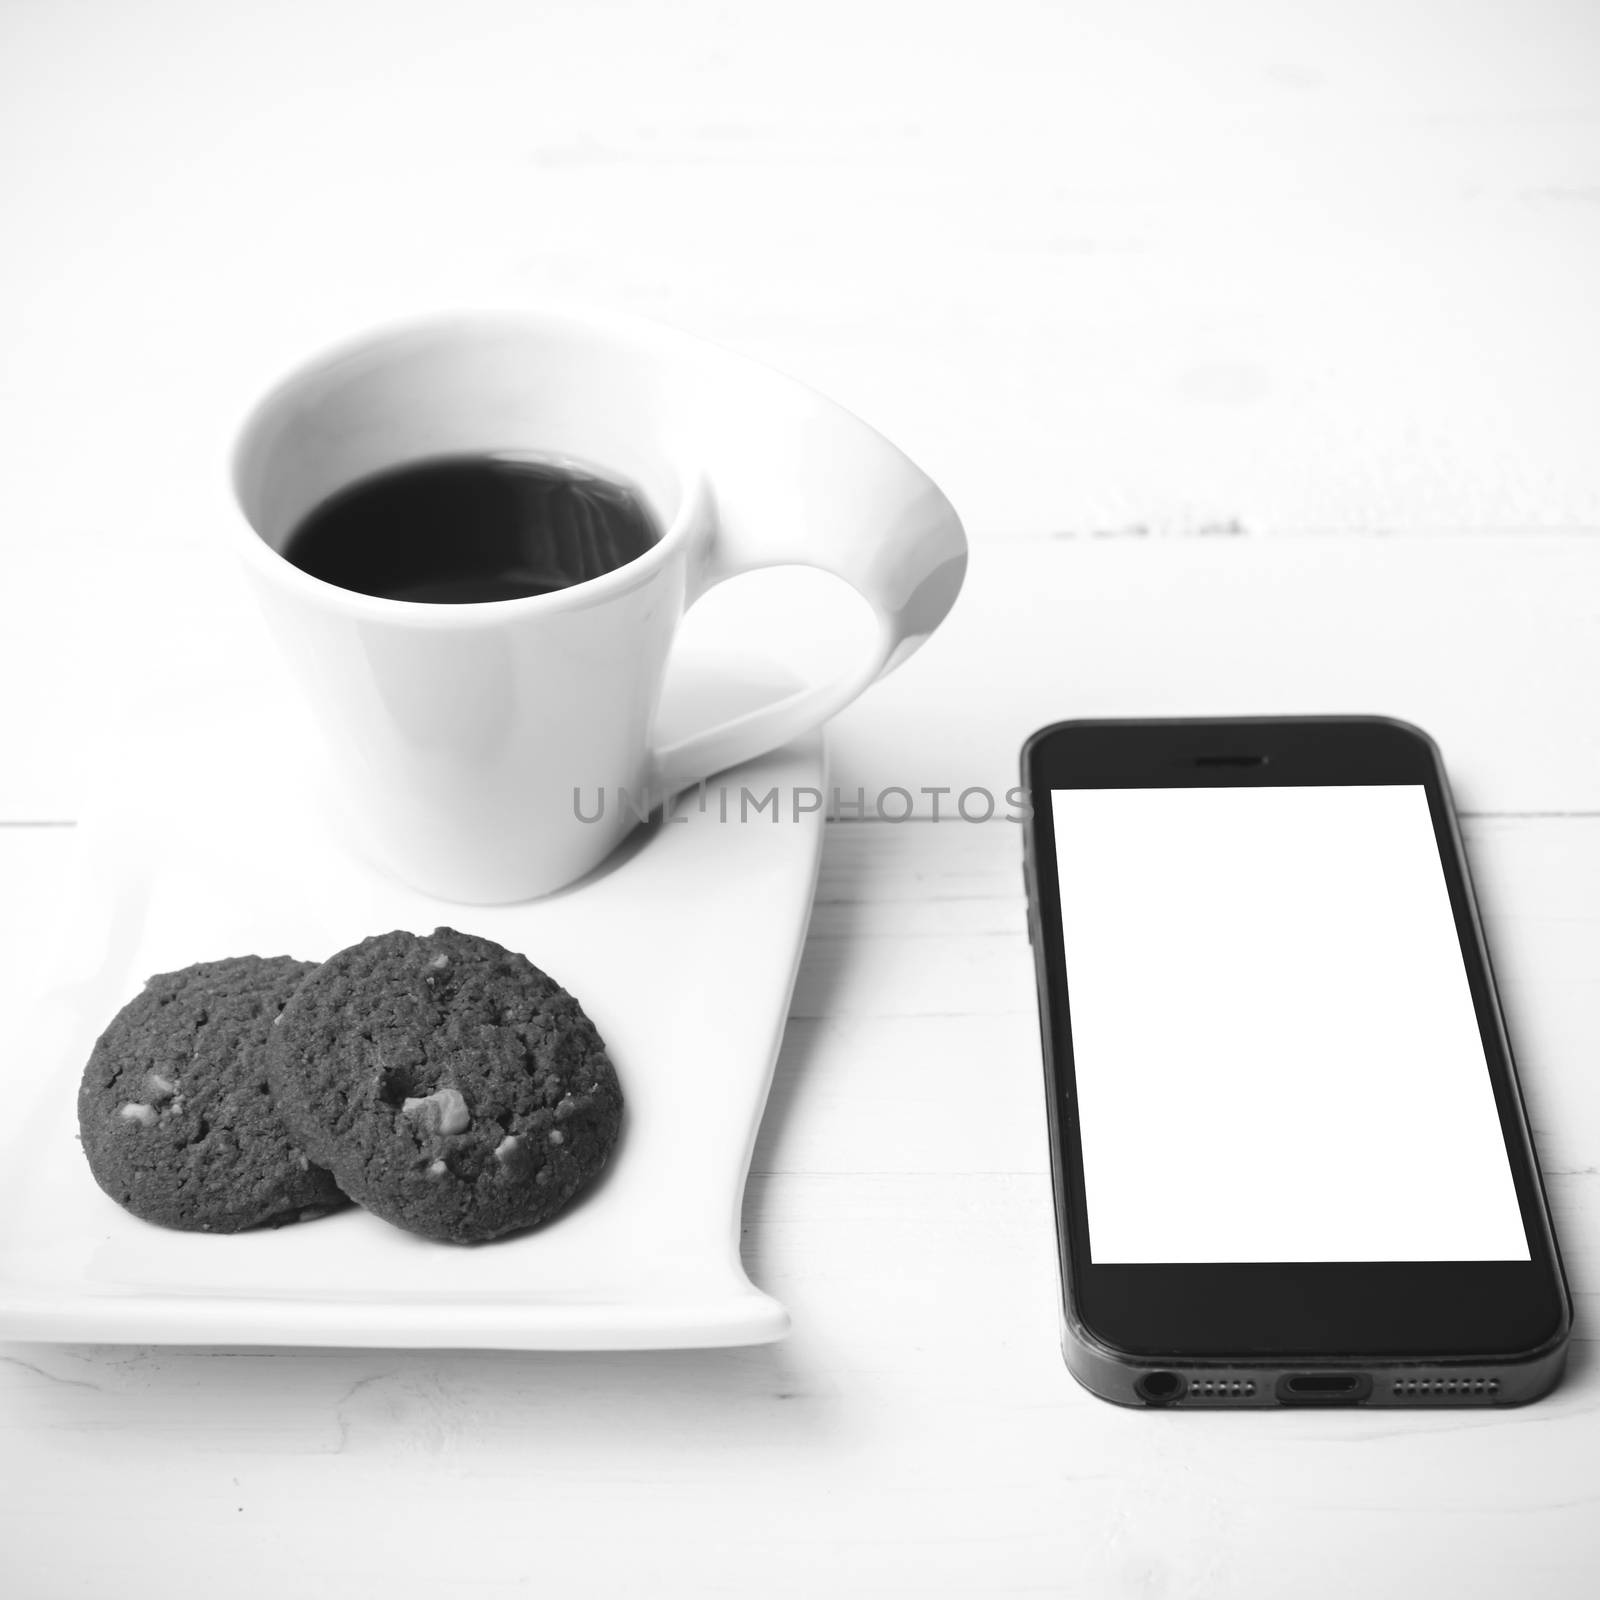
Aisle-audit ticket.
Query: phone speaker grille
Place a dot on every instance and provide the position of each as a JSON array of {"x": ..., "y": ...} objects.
[
  {"x": 1447, "y": 1388},
  {"x": 1220, "y": 1388}
]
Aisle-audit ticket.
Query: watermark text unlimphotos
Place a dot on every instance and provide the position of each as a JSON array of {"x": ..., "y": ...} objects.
[{"x": 791, "y": 803}]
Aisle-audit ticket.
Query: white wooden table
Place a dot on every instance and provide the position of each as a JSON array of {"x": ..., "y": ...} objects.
[{"x": 1259, "y": 347}]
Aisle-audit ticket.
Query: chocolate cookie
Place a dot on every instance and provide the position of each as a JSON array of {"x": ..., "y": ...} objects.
[
  {"x": 451, "y": 1087},
  {"x": 174, "y": 1110}
]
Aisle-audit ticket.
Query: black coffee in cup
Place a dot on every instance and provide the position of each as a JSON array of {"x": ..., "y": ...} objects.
[{"x": 458, "y": 529}]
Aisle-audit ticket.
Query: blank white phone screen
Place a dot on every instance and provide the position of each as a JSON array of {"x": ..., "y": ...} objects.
[{"x": 1276, "y": 1051}]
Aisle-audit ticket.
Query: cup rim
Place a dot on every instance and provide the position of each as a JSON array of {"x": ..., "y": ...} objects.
[{"x": 273, "y": 564}]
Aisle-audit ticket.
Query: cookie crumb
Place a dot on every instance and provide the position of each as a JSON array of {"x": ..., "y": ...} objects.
[
  {"x": 437, "y": 1169},
  {"x": 507, "y": 1147},
  {"x": 159, "y": 1088}
]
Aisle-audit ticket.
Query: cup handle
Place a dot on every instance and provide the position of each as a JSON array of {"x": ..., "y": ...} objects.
[{"x": 794, "y": 480}]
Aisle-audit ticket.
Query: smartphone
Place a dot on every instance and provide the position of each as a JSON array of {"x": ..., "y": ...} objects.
[{"x": 1291, "y": 1162}]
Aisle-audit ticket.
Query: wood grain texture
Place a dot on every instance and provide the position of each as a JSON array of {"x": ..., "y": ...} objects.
[
  {"x": 1257, "y": 345},
  {"x": 1484, "y": 642},
  {"x": 1102, "y": 266},
  {"x": 918, "y": 1432}
]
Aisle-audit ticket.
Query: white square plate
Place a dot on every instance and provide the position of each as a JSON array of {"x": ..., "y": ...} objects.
[{"x": 683, "y": 949}]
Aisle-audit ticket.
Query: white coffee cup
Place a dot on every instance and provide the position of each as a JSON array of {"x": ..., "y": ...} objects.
[{"x": 461, "y": 733}]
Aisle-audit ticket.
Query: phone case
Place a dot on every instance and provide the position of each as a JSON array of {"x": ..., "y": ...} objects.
[
  {"x": 1125, "y": 1379},
  {"x": 1334, "y": 1379}
]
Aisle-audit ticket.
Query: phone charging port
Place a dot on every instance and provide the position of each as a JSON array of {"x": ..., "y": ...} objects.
[{"x": 1324, "y": 1388}]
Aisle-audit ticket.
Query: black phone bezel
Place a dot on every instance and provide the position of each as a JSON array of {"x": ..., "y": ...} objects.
[{"x": 1307, "y": 1311}]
